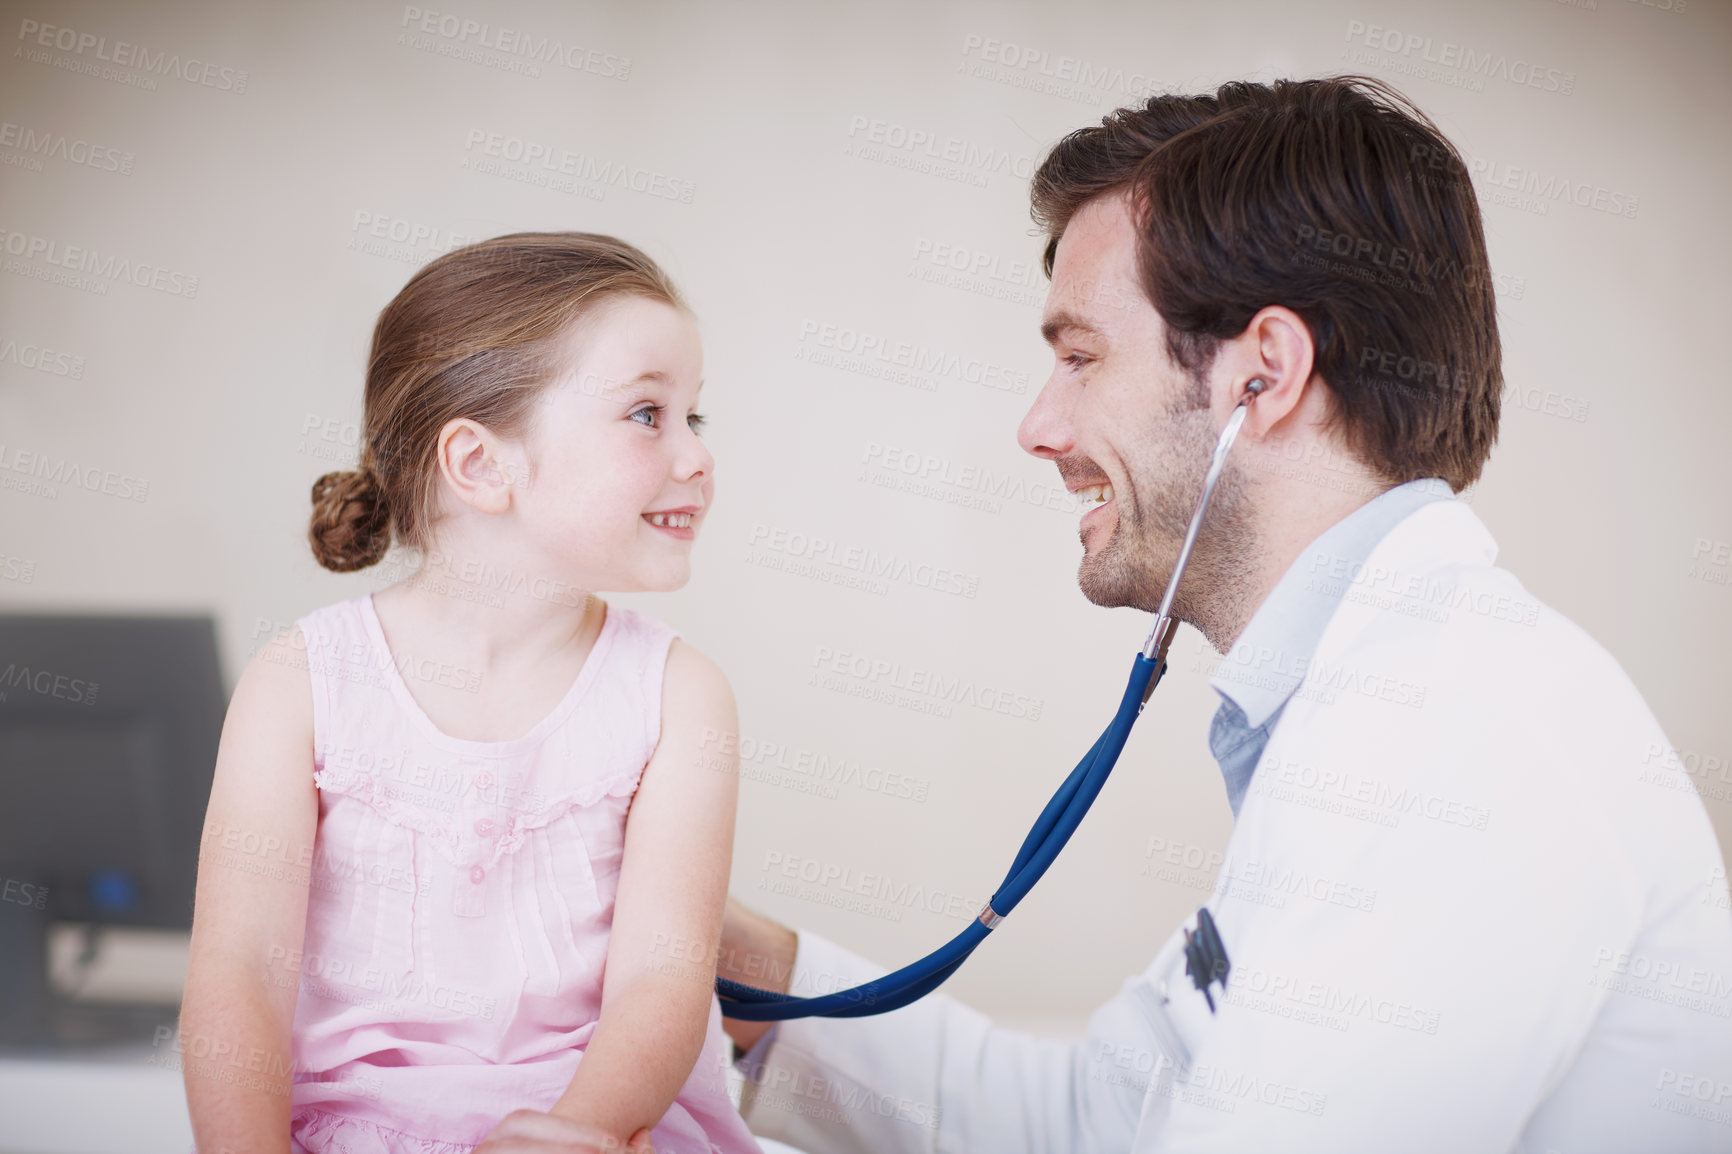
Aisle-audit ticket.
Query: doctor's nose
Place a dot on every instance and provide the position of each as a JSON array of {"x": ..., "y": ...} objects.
[{"x": 1046, "y": 429}]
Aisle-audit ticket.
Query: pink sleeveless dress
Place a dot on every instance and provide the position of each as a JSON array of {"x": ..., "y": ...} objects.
[{"x": 461, "y": 899}]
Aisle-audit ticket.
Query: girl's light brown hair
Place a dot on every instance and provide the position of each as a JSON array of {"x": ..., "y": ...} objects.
[{"x": 470, "y": 335}]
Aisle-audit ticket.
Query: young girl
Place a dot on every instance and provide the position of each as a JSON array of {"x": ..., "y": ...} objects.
[{"x": 468, "y": 840}]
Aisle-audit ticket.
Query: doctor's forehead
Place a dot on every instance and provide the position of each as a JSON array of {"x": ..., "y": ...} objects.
[{"x": 1094, "y": 273}]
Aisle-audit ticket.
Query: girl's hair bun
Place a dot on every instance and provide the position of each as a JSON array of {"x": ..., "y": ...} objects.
[{"x": 351, "y": 527}]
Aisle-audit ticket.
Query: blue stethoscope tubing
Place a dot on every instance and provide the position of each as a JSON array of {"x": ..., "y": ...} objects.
[{"x": 1039, "y": 849}]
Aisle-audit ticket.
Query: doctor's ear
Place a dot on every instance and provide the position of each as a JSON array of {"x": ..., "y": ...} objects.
[
  {"x": 480, "y": 467},
  {"x": 1276, "y": 348}
]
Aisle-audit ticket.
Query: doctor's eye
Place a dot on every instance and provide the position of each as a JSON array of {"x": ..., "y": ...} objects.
[{"x": 1077, "y": 360}]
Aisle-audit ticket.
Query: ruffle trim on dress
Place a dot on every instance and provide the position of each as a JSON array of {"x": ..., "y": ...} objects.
[
  {"x": 441, "y": 828},
  {"x": 579, "y": 797},
  {"x": 369, "y": 788}
]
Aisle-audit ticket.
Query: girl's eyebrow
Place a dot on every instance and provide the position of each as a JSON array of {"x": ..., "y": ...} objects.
[
  {"x": 656, "y": 376},
  {"x": 652, "y": 377},
  {"x": 626, "y": 390}
]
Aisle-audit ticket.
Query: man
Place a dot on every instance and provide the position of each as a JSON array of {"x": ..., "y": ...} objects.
[{"x": 1471, "y": 902}]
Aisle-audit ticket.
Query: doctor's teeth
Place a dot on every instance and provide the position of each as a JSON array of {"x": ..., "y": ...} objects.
[{"x": 1095, "y": 494}]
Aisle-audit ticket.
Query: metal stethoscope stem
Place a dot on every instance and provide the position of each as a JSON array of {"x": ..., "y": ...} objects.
[
  {"x": 1051, "y": 830},
  {"x": 1161, "y": 632}
]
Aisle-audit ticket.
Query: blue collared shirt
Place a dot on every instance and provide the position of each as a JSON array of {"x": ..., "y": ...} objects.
[{"x": 1268, "y": 661}]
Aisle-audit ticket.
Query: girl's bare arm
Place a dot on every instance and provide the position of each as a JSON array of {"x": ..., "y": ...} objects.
[
  {"x": 668, "y": 912},
  {"x": 250, "y": 909}
]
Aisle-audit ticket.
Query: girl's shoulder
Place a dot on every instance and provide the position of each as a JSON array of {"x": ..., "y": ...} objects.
[
  {"x": 350, "y": 609},
  {"x": 636, "y": 645},
  {"x": 636, "y": 626},
  {"x": 642, "y": 654},
  {"x": 349, "y": 627},
  {"x": 686, "y": 673}
]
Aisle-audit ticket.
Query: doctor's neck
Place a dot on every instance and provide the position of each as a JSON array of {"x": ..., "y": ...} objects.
[{"x": 1270, "y": 513}]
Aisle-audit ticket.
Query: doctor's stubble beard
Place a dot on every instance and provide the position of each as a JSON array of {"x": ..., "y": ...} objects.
[{"x": 1134, "y": 565}]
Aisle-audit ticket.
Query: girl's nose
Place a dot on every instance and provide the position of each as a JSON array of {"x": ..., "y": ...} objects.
[{"x": 695, "y": 460}]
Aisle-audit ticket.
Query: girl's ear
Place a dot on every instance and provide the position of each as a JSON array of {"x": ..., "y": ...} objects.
[{"x": 477, "y": 465}]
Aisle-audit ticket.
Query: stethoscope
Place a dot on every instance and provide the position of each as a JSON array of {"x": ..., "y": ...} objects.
[{"x": 1050, "y": 833}]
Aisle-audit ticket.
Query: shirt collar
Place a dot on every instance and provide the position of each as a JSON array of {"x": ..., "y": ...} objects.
[{"x": 1268, "y": 661}]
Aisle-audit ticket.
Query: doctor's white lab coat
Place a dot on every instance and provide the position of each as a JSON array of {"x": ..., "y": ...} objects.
[{"x": 1472, "y": 903}]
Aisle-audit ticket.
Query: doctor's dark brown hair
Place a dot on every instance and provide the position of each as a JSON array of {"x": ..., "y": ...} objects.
[
  {"x": 470, "y": 335},
  {"x": 1335, "y": 198}
]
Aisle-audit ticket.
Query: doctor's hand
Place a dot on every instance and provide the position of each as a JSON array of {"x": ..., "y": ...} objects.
[
  {"x": 755, "y": 951},
  {"x": 533, "y": 1132}
]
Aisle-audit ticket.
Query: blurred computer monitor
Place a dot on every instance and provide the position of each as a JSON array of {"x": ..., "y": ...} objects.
[{"x": 108, "y": 738}]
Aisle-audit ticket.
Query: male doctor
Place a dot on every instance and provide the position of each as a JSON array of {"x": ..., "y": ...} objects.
[{"x": 1471, "y": 901}]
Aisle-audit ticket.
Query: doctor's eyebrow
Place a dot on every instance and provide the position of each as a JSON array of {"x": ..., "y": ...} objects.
[{"x": 1059, "y": 323}]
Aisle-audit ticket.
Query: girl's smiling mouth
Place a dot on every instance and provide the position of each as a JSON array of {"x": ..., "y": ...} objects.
[{"x": 674, "y": 522}]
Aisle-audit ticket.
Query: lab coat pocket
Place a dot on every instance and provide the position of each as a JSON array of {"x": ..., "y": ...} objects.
[
  {"x": 1174, "y": 1037},
  {"x": 1162, "y": 986},
  {"x": 1172, "y": 1064},
  {"x": 1174, "y": 1048}
]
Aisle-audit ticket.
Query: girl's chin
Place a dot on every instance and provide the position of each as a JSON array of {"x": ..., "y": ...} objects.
[{"x": 666, "y": 578}]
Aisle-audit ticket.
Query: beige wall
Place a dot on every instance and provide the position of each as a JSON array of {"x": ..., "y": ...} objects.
[{"x": 264, "y": 175}]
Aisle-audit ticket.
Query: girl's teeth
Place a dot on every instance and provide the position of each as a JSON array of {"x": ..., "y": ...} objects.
[{"x": 672, "y": 520}]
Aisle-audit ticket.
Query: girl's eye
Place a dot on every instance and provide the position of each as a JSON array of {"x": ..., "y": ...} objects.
[{"x": 695, "y": 422}]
